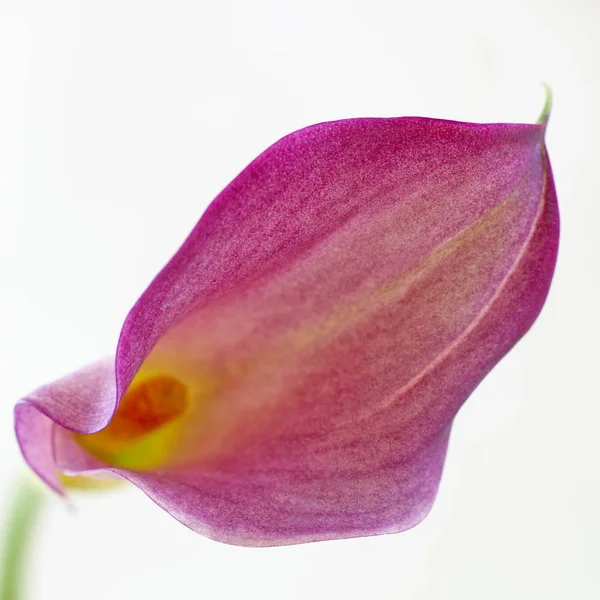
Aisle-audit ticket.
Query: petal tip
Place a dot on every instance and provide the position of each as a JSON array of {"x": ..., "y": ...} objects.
[{"x": 547, "y": 109}]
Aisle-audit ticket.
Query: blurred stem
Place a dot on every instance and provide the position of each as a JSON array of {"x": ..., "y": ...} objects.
[{"x": 18, "y": 528}]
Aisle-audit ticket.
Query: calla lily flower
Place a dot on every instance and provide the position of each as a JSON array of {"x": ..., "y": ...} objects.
[{"x": 292, "y": 374}]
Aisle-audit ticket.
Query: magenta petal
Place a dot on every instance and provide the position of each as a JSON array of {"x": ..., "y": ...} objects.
[
  {"x": 347, "y": 292},
  {"x": 82, "y": 402}
]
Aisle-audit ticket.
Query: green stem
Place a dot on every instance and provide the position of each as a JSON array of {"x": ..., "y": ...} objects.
[{"x": 17, "y": 532}]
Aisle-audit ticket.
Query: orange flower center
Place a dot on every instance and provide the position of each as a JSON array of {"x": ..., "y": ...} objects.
[{"x": 144, "y": 429}]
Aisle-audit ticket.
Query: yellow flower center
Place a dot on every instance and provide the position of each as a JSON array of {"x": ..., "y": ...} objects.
[{"x": 144, "y": 429}]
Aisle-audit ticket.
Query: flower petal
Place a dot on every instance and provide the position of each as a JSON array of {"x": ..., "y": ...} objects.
[{"x": 329, "y": 314}]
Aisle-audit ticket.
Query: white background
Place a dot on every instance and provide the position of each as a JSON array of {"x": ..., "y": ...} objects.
[{"x": 121, "y": 120}]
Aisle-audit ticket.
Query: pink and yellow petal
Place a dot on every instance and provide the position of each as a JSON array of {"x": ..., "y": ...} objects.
[{"x": 323, "y": 323}]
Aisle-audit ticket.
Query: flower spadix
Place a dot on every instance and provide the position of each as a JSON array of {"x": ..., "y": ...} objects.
[{"x": 292, "y": 374}]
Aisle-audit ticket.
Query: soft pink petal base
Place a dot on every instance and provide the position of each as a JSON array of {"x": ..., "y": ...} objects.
[{"x": 360, "y": 278}]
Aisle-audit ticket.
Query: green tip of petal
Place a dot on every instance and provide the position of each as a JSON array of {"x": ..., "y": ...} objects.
[{"x": 543, "y": 119}]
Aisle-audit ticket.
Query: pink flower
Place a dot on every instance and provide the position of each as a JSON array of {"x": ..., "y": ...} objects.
[{"x": 292, "y": 374}]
